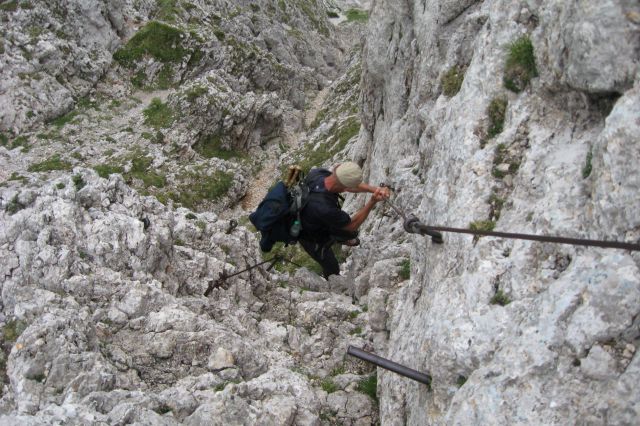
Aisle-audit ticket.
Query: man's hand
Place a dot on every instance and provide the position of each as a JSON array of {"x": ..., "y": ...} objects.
[{"x": 381, "y": 193}]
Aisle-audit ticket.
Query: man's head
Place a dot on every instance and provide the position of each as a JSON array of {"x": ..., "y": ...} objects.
[{"x": 345, "y": 175}]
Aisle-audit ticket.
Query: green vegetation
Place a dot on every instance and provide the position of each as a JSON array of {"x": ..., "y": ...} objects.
[
  {"x": 586, "y": 170},
  {"x": 300, "y": 257},
  {"x": 14, "y": 205},
  {"x": 53, "y": 163},
  {"x": 60, "y": 185},
  {"x": 356, "y": 331},
  {"x": 202, "y": 188},
  {"x": 16, "y": 176},
  {"x": 461, "y": 380},
  {"x": 105, "y": 170},
  {"x": 452, "y": 81},
  {"x": 140, "y": 170},
  {"x": 78, "y": 182},
  {"x": 496, "y": 112},
  {"x": 328, "y": 386},
  {"x": 191, "y": 216},
  {"x": 10, "y": 6},
  {"x": 332, "y": 14},
  {"x": 158, "y": 40},
  {"x": 167, "y": 9},
  {"x": 342, "y": 134},
  {"x": 19, "y": 142},
  {"x": 354, "y": 314},
  {"x": 63, "y": 120},
  {"x": 195, "y": 92},
  {"x": 495, "y": 203},
  {"x": 357, "y": 15},
  {"x": 520, "y": 66},
  {"x": 157, "y": 114},
  {"x": 164, "y": 78},
  {"x": 500, "y": 299},
  {"x": 405, "y": 269},
  {"x": 502, "y": 156},
  {"x": 12, "y": 330},
  {"x": 210, "y": 146},
  {"x": 482, "y": 225},
  {"x": 369, "y": 386}
]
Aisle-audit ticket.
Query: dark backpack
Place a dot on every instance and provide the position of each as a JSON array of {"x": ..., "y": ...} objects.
[{"x": 278, "y": 214}]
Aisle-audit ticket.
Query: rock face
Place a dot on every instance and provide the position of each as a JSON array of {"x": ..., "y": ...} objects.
[
  {"x": 105, "y": 319},
  {"x": 511, "y": 331}
]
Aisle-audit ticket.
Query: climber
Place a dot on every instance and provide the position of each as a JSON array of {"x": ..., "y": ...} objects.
[{"x": 324, "y": 222}]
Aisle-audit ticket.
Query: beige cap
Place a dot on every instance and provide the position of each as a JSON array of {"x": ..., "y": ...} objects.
[{"x": 349, "y": 174}]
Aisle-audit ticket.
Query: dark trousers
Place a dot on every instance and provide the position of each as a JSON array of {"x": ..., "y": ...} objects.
[{"x": 322, "y": 254}]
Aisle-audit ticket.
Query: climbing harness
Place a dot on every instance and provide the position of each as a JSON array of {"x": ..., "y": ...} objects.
[
  {"x": 224, "y": 275},
  {"x": 413, "y": 225},
  {"x": 390, "y": 365}
]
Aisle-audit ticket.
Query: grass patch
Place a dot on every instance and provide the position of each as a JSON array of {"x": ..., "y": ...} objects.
[
  {"x": 158, "y": 114},
  {"x": 203, "y": 188},
  {"x": 10, "y": 6},
  {"x": 328, "y": 386},
  {"x": 496, "y": 112},
  {"x": 140, "y": 170},
  {"x": 167, "y": 10},
  {"x": 60, "y": 185},
  {"x": 405, "y": 269},
  {"x": 368, "y": 386},
  {"x": 63, "y": 120},
  {"x": 332, "y": 14},
  {"x": 520, "y": 66},
  {"x": 461, "y": 380},
  {"x": 19, "y": 142},
  {"x": 155, "y": 39},
  {"x": 12, "y": 330},
  {"x": 452, "y": 81},
  {"x": 357, "y": 15},
  {"x": 78, "y": 182},
  {"x": 14, "y": 206},
  {"x": 210, "y": 146},
  {"x": 106, "y": 170},
  {"x": 53, "y": 163},
  {"x": 500, "y": 299},
  {"x": 482, "y": 225},
  {"x": 586, "y": 170},
  {"x": 308, "y": 159}
]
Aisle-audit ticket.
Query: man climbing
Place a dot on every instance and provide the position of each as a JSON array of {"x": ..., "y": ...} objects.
[{"x": 324, "y": 222}]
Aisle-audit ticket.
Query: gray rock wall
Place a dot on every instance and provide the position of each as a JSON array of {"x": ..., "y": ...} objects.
[{"x": 563, "y": 350}]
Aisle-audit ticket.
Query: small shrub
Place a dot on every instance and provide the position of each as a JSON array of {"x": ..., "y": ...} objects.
[
  {"x": 586, "y": 170},
  {"x": 357, "y": 15},
  {"x": 461, "y": 380},
  {"x": 356, "y": 331},
  {"x": 53, "y": 163},
  {"x": 191, "y": 216},
  {"x": 158, "y": 40},
  {"x": 158, "y": 114},
  {"x": 328, "y": 386},
  {"x": 332, "y": 14},
  {"x": 496, "y": 112},
  {"x": 500, "y": 299},
  {"x": 482, "y": 225},
  {"x": 369, "y": 386},
  {"x": 14, "y": 205},
  {"x": 520, "y": 66},
  {"x": 78, "y": 182},
  {"x": 405, "y": 269},
  {"x": 60, "y": 185},
  {"x": 354, "y": 314},
  {"x": 452, "y": 81}
]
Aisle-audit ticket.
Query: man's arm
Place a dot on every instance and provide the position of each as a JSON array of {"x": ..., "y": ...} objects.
[
  {"x": 365, "y": 187},
  {"x": 359, "y": 217}
]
